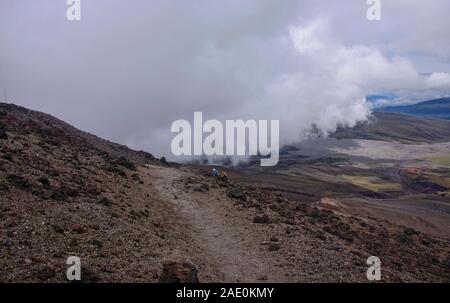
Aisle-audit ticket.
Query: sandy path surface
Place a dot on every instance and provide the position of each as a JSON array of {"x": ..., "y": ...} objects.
[{"x": 230, "y": 244}]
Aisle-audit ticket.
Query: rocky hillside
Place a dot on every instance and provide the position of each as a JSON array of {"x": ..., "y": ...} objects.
[
  {"x": 131, "y": 217},
  {"x": 64, "y": 192},
  {"x": 398, "y": 127}
]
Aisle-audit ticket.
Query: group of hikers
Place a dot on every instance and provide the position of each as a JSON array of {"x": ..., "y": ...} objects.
[{"x": 215, "y": 173}]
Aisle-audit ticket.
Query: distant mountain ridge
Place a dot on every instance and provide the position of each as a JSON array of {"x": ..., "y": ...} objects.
[{"x": 437, "y": 108}]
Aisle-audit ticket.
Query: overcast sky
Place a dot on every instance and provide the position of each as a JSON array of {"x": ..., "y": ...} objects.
[{"x": 128, "y": 69}]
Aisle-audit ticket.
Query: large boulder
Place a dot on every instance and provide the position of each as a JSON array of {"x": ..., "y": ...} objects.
[
  {"x": 178, "y": 272},
  {"x": 264, "y": 219}
]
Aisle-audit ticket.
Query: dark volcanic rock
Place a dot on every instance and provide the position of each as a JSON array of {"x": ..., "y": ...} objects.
[
  {"x": 63, "y": 193},
  {"x": 339, "y": 232},
  {"x": 312, "y": 212},
  {"x": 7, "y": 157},
  {"x": 46, "y": 273},
  {"x": 274, "y": 246},
  {"x": 78, "y": 229},
  {"x": 124, "y": 162},
  {"x": 104, "y": 201},
  {"x": 19, "y": 182},
  {"x": 114, "y": 169},
  {"x": 136, "y": 177},
  {"x": 264, "y": 219},
  {"x": 179, "y": 272},
  {"x": 53, "y": 172},
  {"x": 58, "y": 195},
  {"x": 96, "y": 243},
  {"x": 59, "y": 229},
  {"x": 202, "y": 187},
  {"x": 146, "y": 155},
  {"x": 237, "y": 193},
  {"x": 3, "y": 135},
  {"x": 87, "y": 276},
  {"x": 44, "y": 181}
]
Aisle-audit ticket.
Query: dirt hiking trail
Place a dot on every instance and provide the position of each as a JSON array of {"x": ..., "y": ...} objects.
[{"x": 226, "y": 239}]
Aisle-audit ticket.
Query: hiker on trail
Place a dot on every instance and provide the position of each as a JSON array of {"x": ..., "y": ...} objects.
[{"x": 215, "y": 172}]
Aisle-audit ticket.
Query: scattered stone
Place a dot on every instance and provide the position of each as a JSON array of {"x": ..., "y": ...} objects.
[
  {"x": 275, "y": 207},
  {"x": 92, "y": 189},
  {"x": 88, "y": 276},
  {"x": 236, "y": 193},
  {"x": 263, "y": 278},
  {"x": 7, "y": 157},
  {"x": 147, "y": 155},
  {"x": 202, "y": 187},
  {"x": 3, "y": 186},
  {"x": 404, "y": 238},
  {"x": 409, "y": 231},
  {"x": 345, "y": 235},
  {"x": 64, "y": 192},
  {"x": 46, "y": 273},
  {"x": 44, "y": 181},
  {"x": 124, "y": 162},
  {"x": 321, "y": 235},
  {"x": 447, "y": 264},
  {"x": 274, "y": 246},
  {"x": 179, "y": 272},
  {"x": 53, "y": 173},
  {"x": 77, "y": 228},
  {"x": 58, "y": 228},
  {"x": 114, "y": 169},
  {"x": 312, "y": 211},
  {"x": 264, "y": 219},
  {"x": 135, "y": 214},
  {"x": 58, "y": 195},
  {"x": 424, "y": 242},
  {"x": 70, "y": 191},
  {"x": 19, "y": 182},
  {"x": 3, "y": 135},
  {"x": 290, "y": 221},
  {"x": 97, "y": 243},
  {"x": 104, "y": 201}
]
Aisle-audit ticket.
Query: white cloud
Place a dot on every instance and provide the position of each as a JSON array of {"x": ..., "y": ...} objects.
[
  {"x": 330, "y": 81},
  {"x": 305, "y": 38}
]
